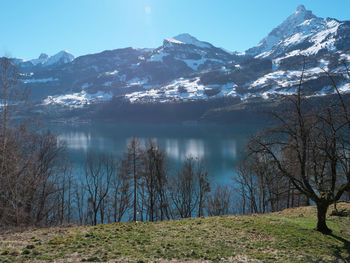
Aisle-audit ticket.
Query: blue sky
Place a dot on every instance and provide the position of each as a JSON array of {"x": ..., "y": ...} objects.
[{"x": 29, "y": 28}]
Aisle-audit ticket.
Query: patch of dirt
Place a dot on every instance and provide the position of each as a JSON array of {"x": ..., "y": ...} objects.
[{"x": 240, "y": 259}]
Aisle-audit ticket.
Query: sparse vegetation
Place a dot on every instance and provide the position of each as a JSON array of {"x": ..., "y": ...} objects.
[{"x": 286, "y": 236}]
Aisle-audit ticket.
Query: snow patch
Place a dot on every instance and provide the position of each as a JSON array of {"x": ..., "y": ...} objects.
[
  {"x": 39, "y": 80},
  {"x": 112, "y": 73},
  {"x": 77, "y": 100},
  {"x": 188, "y": 39},
  {"x": 137, "y": 81},
  {"x": 183, "y": 89},
  {"x": 285, "y": 78},
  {"x": 172, "y": 40},
  {"x": 345, "y": 88}
]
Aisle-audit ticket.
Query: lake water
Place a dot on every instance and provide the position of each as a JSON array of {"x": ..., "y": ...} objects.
[{"x": 219, "y": 146}]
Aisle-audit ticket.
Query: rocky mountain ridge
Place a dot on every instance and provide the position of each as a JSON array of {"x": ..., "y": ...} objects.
[{"x": 185, "y": 68}]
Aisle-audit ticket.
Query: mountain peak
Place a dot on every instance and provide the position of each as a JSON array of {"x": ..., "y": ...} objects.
[
  {"x": 300, "y": 8},
  {"x": 43, "y": 56},
  {"x": 286, "y": 28},
  {"x": 301, "y": 13},
  {"x": 61, "y": 57},
  {"x": 186, "y": 38},
  {"x": 63, "y": 52}
]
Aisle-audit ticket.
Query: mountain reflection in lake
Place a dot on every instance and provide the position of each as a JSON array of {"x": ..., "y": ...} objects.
[{"x": 218, "y": 146}]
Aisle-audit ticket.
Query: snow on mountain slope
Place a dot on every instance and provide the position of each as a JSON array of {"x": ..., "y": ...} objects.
[
  {"x": 286, "y": 78},
  {"x": 183, "y": 89},
  {"x": 303, "y": 31},
  {"x": 78, "y": 99},
  {"x": 39, "y": 80},
  {"x": 185, "y": 68},
  {"x": 40, "y": 60},
  {"x": 283, "y": 30},
  {"x": 188, "y": 39},
  {"x": 186, "y": 54},
  {"x": 61, "y": 57}
]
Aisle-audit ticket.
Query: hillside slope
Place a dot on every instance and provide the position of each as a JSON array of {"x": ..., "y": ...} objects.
[
  {"x": 184, "y": 68},
  {"x": 286, "y": 236}
]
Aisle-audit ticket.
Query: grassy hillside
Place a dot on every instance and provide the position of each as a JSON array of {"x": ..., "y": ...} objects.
[{"x": 287, "y": 236}]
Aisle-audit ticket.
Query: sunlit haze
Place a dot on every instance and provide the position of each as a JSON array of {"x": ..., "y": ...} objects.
[{"x": 89, "y": 26}]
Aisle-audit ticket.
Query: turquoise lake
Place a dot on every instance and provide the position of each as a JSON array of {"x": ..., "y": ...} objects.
[{"x": 218, "y": 146}]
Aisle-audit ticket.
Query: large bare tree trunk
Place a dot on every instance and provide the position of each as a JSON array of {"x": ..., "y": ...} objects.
[{"x": 321, "y": 218}]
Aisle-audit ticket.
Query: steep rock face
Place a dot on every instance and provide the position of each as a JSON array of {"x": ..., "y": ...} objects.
[
  {"x": 302, "y": 33},
  {"x": 283, "y": 31},
  {"x": 185, "y": 68}
]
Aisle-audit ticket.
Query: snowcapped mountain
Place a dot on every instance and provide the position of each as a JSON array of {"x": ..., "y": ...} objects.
[
  {"x": 195, "y": 54},
  {"x": 190, "y": 40},
  {"x": 302, "y": 33},
  {"x": 285, "y": 30},
  {"x": 184, "y": 68},
  {"x": 60, "y": 58},
  {"x": 40, "y": 60}
]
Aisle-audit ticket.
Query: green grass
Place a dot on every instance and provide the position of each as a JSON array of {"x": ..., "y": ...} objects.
[{"x": 288, "y": 236}]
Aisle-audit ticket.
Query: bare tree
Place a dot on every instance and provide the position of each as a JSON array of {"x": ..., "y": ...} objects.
[
  {"x": 9, "y": 91},
  {"x": 79, "y": 199},
  {"x": 203, "y": 186},
  {"x": 132, "y": 166},
  {"x": 120, "y": 193},
  {"x": 99, "y": 170},
  {"x": 155, "y": 181},
  {"x": 46, "y": 169},
  {"x": 311, "y": 150},
  {"x": 161, "y": 183},
  {"x": 184, "y": 191},
  {"x": 29, "y": 184},
  {"x": 31, "y": 161},
  {"x": 219, "y": 201},
  {"x": 65, "y": 195},
  {"x": 150, "y": 178},
  {"x": 262, "y": 188},
  {"x": 247, "y": 186}
]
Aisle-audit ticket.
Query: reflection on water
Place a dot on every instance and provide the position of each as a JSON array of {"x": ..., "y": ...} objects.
[
  {"x": 172, "y": 148},
  {"x": 229, "y": 148},
  {"x": 76, "y": 140},
  {"x": 181, "y": 149},
  {"x": 218, "y": 146},
  {"x": 194, "y": 148},
  {"x": 177, "y": 149}
]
